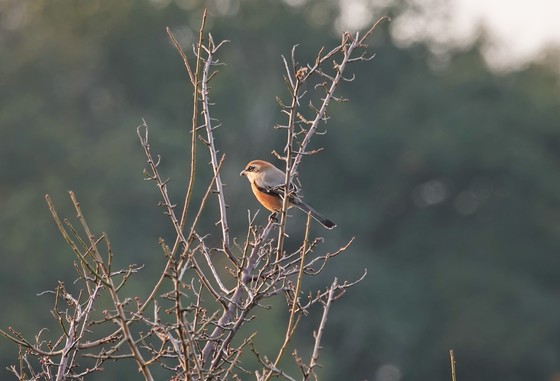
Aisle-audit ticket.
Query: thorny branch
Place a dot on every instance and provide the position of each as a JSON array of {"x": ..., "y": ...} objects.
[{"x": 208, "y": 298}]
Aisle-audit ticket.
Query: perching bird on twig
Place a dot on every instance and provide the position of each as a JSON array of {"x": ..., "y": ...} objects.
[{"x": 267, "y": 183}]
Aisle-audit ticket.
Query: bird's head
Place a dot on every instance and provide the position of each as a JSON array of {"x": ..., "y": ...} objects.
[{"x": 254, "y": 168}]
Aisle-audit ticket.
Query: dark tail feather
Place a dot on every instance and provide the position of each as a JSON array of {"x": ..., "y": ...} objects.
[{"x": 315, "y": 214}]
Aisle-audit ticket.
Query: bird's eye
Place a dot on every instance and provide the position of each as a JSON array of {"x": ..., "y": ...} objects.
[{"x": 251, "y": 168}]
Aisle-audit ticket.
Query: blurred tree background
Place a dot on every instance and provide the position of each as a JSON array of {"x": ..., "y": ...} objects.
[{"x": 445, "y": 171}]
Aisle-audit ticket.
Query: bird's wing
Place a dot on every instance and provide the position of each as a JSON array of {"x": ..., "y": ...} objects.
[
  {"x": 278, "y": 191},
  {"x": 272, "y": 183},
  {"x": 272, "y": 178},
  {"x": 273, "y": 191}
]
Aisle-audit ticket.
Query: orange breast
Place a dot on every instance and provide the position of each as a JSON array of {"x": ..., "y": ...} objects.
[{"x": 270, "y": 202}]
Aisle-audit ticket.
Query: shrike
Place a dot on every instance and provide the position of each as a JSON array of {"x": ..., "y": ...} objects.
[{"x": 267, "y": 183}]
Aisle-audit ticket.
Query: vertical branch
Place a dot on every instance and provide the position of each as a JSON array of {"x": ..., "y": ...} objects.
[
  {"x": 295, "y": 85},
  {"x": 181, "y": 327},
  {"x": 195, "y": 81},
  {"x": 206, "y": 76},
  {"x": 319, "y": 333},
  {"x": 194, "y": 121}
]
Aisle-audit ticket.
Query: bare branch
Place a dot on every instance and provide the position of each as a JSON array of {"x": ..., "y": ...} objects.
[{"x": 211, "y": 284}]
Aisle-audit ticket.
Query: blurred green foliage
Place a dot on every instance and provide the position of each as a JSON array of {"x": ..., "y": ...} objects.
[{"x": 447, "y": 177}]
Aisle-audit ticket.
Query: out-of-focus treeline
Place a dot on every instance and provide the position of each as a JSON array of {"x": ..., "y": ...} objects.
[{"x": 448, "y": 175}]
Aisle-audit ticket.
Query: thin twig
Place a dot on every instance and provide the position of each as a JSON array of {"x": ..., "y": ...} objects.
[
  {"x": 452, "y": 359},
  {"x": 319, "y": 333}
]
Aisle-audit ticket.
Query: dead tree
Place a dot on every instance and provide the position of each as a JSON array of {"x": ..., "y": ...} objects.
[{"x": 205, "y": 305}]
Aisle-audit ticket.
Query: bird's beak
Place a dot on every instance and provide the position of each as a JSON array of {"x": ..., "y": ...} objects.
[{"x": 242, "y": 173}]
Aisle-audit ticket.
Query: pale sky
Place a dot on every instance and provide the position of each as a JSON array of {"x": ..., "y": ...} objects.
[{"x": 518, "y": 29}]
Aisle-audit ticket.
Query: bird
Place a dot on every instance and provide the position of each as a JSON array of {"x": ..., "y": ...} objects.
[{"x": 267, "y": 183}]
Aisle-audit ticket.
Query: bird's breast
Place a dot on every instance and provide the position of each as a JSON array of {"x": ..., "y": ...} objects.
[{"x": 270, "y": 201}]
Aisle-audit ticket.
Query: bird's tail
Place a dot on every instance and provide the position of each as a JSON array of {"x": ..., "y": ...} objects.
[{"x": 315, "y": 214}]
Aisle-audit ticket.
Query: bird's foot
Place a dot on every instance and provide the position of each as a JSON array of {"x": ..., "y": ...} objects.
[{"x": 274, "y": 217}]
